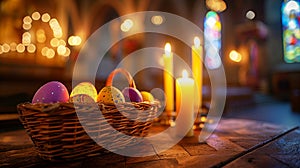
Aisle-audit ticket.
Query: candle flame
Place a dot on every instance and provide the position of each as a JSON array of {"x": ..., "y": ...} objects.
[
  {"x": 185, "y": 74},
  {"x": 168, "y": 49},
  {"x": 197, "y": 42}
]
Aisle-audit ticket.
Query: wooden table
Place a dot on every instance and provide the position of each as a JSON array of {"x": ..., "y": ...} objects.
[{"x": 235, "y": 143}]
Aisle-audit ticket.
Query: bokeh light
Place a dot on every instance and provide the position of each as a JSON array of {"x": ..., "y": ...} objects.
[
  {"x": 74, "y": 40},
  {"x": 5, "y": 48},
  {"x": 27, "y": 20},
  {"x": 54, "y": 42},
  {"x": 235, "y": 56},
  {"x": 13, "y": 46},
  {"x": 46, "y": 17},
  {"x": 216, "y": 5},
  {"x": 36, "y": 15},
  {"x": 44, "y": 51},
  {"x": 250, "y": 15},
  {"x": 26, "y": 38},
  {"x": 68, "y": 52},
  {"x": 50, "y": 53},
  {"x": 26, "y": 26},
  {"x": 62, "y": 42},
  {"x": 20, "y": 48},
  {"x": 40, "y": 36},
  {"x": 157, "y": 20},
  {"x": 31, "y": 48},
  {"x": 126, "y": 25},
  {"x": 61, "y": 50}
]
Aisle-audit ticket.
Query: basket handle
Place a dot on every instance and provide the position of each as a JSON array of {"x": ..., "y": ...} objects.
[{"x": 121, "y": 71}]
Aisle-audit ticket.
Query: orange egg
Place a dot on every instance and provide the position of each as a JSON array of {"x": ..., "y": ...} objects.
[{"x": 110, "y": 95}]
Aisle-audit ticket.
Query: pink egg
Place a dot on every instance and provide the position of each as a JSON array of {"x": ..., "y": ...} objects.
[
  {"x": 51, "y": 92},
  {"x": 132, "y": 94}
]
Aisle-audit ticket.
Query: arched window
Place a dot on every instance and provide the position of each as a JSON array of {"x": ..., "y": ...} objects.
[
  {"x": 212, "y": 38},
  {"x": 291, "y": 30}
]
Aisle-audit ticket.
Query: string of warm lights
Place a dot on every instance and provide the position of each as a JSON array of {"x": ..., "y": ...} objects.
[{"x": 58, "y": 45}]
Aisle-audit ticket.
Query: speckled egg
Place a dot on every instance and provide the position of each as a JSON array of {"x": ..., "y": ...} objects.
[
  {"x": 132, "y": 94},
  {"x": 51, "y": 92},
  {"x": 84, "y": 88},
  {"x": 147, "y": 96},
  {"x": 110, "y": 95}
]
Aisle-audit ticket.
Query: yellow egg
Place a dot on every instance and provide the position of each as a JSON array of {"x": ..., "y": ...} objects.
[
  {"x": 82, "y": 98},
  {"x": 147, "y": 96},
  {"x": 84, "y": 88},
  {"x": 110, "y": 95}
]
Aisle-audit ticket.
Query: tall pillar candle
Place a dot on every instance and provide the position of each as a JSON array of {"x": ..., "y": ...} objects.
[
  {"x": 168, "y": 79},
  {"x": 185, "y": 104},
  {"x": 197, "y": 67}
]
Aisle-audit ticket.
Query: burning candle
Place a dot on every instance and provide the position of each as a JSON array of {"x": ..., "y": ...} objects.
[
  {"x": 197, "y": 71},
  {"x": 168, "y": 79},
  {"x": 185, "y": 102}
]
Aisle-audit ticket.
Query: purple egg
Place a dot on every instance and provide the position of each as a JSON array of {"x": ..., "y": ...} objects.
[
  {"x": 132, "y": 95},
  {"x": 51, "y": 92}
]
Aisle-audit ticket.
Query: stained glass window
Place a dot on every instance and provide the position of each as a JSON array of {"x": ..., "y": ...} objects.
[
  {"x": 212, "y": 38},
  {"x": 291, "y": 30}
]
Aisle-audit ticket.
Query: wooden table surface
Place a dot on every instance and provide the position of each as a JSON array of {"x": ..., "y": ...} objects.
[{"x": 235, "y": 143}]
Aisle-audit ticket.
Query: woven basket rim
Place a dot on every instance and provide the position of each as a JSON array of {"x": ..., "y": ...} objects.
[
  {"x": 155, "y": 102},
  {"x": 60, "y": 135}
]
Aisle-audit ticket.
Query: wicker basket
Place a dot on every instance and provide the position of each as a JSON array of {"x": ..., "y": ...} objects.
[{"x": 59, "y": 130}]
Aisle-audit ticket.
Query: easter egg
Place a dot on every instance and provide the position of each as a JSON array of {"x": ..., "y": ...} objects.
[
  {"x": 81, "y": 98},
  {"x": 132, "y": 94},
  {"x": 84, "y": 88},
  {"x": 110, "y": 95},
  {"x": 51, "y": 92},
  {"x": 147, "y": 96}
]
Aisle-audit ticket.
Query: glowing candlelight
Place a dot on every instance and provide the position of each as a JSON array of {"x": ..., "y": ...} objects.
[
  {"x": 185, "y": 102},
  {"x": 168, "y": 79},
  {"x": 168, "y": 49},
  {"x": 197, "y": 42},
  {"x": 197, "y": 67}
]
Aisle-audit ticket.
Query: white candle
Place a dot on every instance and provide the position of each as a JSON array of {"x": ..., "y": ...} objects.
[
  {"x": 185, "y": 103},
  {"x": 168, "y": 79},
  {"x": 197, "y": 67}
]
